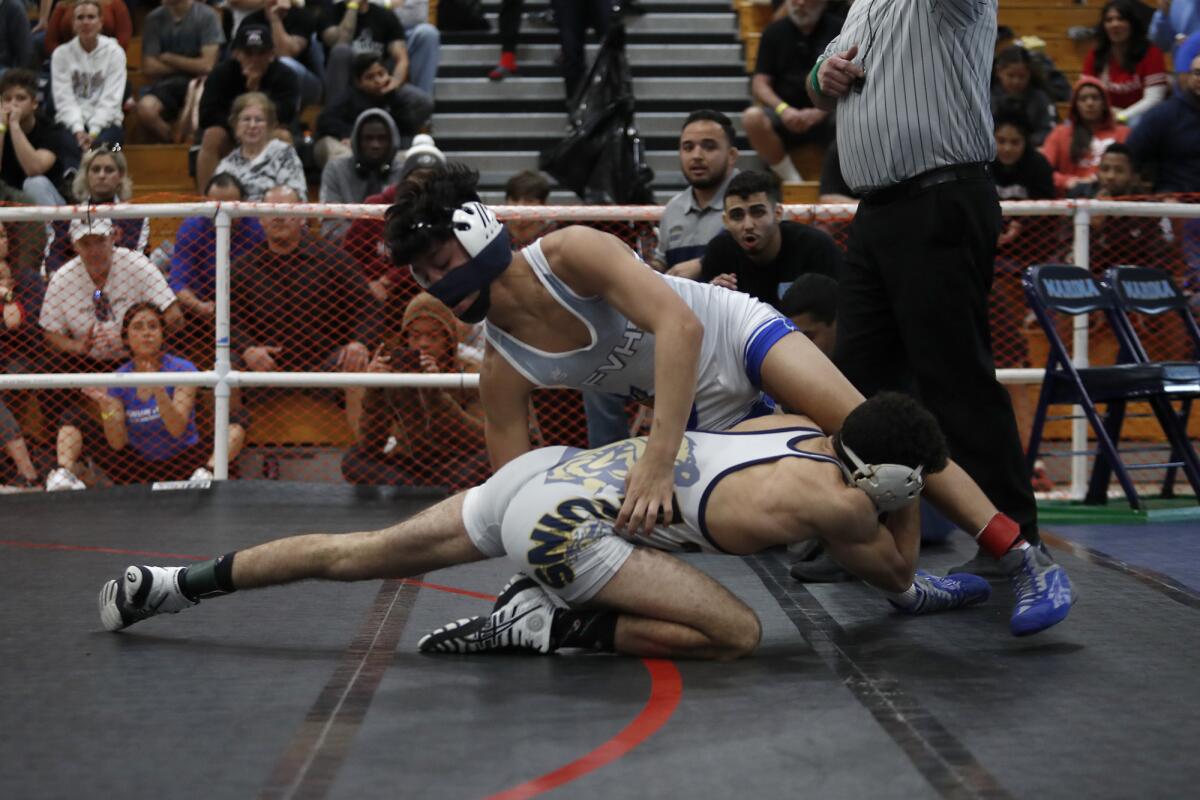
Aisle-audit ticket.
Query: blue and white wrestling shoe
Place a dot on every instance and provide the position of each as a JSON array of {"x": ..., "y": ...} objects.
[
  {"x": 1044, "y": 592},
  {"x": 140, "y": 593},
  {"x": 520, "y": 620},
  {"x": 942, "y": 594}
]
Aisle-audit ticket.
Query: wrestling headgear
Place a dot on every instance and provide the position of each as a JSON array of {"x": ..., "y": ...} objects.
[
  {"x": 489, "y": 249},
  {"x": 890, "y": 486}
]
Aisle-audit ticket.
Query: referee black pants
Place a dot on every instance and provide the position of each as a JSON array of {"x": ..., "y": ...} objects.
[{"x": 913, "y": 316}]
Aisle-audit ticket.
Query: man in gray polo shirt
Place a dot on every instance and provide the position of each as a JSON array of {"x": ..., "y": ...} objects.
[
  {"x": 909, "y": 80},
  {"x": 693, "y": 217}
]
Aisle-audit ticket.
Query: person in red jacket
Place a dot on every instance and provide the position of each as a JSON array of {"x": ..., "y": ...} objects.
[{"x": 1074, "y": 147}]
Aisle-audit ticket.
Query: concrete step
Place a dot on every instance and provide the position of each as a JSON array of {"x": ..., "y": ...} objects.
[
  {"x": 640, "y": 55},
  {"x": 663, "y": 162},
  {"x": 699, "y": 91},
  {"x": 702, "y": 21},
  {"x": 548, "y": 126}
]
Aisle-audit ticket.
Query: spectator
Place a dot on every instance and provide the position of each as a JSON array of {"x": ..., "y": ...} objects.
[
  {"x": 300, "y": 304},
  {"x": 1074, "y": 147},
  {"x": 1018, "y": 86},
  {"x": 87, "y": 75},
  {"x": 13, "y": 318},
  {"x": 784, "y": 117},
  {"x": 390, "y": 284},
  {"x": 194, "y": 263},
  {"x": 693, "y": 217},
  {"x": 811, "y": 304},
  {"x": 373, "y": 88},
  {"x": 510, "y": 28},
  {"x": 150, "y": 431},
  {"x": 253, "y": 68},
  {"x": 1119, "y": 239},
  {"x": 261, "y": 161},
  {"x": 351, "y": 178},
  {"x": 757, "y": 253},
  {"x": 103, "y": 178},
  {"x": 350, "y": 28},
  {"x": 16, "y": 42},
  {"x": 574, "y": 17},
  {"x": 1167, "y": 138},
  {"x": 87, "y": 299},
  {"x": 423, "y": 40},
  {"x": 1055, "y": 82},
  {"x": 424, "y": 437},
  {"x": 36, "y": 152},
  {"x": 527, "y": 188},
  {"x": 115, "y": 22},
  {"x": 1133, "y": 70},
  {"x": 1172, "y": 23},
  {"x": 292, "y": 28},
  {"x": 1020, "y": 170},
  {"x": 180, "y": 43}
]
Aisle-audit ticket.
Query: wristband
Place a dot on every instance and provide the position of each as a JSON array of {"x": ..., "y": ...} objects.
[
  {"x": 353, "y": 6},
  {"x": 107, "y": 415},
  {"x": 812, "y": 77},
  {"x": 782, "y": 107}
]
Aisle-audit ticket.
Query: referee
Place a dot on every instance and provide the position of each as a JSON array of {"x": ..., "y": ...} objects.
[{"x": 909, "y": 80}]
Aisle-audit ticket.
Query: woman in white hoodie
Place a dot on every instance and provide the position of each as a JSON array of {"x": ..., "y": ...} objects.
[{"x": 87, "y": 75}]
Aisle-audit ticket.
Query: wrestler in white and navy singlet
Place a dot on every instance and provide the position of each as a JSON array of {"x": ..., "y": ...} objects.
[
  {"x": 551, "y": 511},
  {"x": 738, "y": 332}
]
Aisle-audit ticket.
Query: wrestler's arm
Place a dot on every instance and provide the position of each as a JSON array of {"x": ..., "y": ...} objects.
[
  {"x": 596, "y": 263},
  {"x": 505, "y": 397},
  {"x": 882, "y": 554}
]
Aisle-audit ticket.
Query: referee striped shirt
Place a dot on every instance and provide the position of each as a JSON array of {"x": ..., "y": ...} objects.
[{"x": 926, "y": 101}]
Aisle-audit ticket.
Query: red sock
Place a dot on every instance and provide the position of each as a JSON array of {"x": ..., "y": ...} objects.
[
  {"x": 508, "y": 60},
  {"x": 1000, "y": 535}
]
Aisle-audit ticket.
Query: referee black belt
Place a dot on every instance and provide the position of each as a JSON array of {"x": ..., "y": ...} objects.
[{"x": 927, "y": 180}]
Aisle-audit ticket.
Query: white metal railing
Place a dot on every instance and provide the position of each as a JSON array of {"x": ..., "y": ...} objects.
[{"x": 223, "y": 378}]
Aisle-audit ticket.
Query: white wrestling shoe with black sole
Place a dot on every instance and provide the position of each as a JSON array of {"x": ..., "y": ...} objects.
[
  {"x": 520, "y": 621},
  {"x": 140, "y": 593}
]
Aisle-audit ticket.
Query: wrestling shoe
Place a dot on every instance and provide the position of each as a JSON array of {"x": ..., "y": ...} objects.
[
  {"x": 942, "y": 594},
  {"x": 1043, "y": 590},
  {"x": 62, "y": 479},
  {"x": 140, "y": 593},
  {"x": 520, "y": 620}
]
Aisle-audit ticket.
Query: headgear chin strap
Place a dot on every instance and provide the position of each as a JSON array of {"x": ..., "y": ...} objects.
[
  {"x": 890, "y": 486},
  {"x": 488, "y": 245}
]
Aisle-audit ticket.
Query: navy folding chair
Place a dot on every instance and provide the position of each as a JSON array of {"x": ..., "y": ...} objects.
[
  {"x": 1144, "y": 291},
  {"x": 1055, "y": 289}
]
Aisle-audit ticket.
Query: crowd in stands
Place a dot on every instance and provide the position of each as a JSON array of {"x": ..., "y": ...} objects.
[{"x": 83, "y": 296}]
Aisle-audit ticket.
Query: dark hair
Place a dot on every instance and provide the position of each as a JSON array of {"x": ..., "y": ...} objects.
[
  {"x": 893, "y": 428},
  {"x": 1004, "y": 32},
  {"x": 1139, "y": 43},
  {"x": 527, "y": 185},
  {"x": 421, "y": 216},
  {"x": 132, "y": 312},
  {"x": 811, "y": 293},
  {"x": 1081, "y": 135},
  {"x": 712, "y": 115},
  {"x": 226, "y": 180},
  {"x": 1015, "y": 54},
  {"x": 751, "y": 182},
  {"x": 1121, "y": 149},
  {"x": 361, "y": 63},
  {"x": 1012, "y": 114},
  {"x": 19, "y": 77}
]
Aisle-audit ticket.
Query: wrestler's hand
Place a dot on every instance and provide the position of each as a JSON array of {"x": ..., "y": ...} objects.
[{"x": 648, "y": 490}]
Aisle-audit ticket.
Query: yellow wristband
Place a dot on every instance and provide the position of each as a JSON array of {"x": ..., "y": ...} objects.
[
  {"x": 782, "y": 107},
  {"x": 352, "y": 6},
  {"x": 106, "y": 415}
]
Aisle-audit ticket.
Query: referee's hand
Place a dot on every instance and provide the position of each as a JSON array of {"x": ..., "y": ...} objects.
[{"x": 838, "y": 73}]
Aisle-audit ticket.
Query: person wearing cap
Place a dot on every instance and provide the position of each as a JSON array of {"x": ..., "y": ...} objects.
[
  {"x": 365, "y": 171},
  {"x": 88, "y": 296},
  {"x": 87, "y": 76},
  {"x": 292, "y": 28},
  {"x": 409, "y": 108},
  {"x": 181, "y": 41},
  {"x": 252, "y": 68},
  {"x": 360, "y": 26}
]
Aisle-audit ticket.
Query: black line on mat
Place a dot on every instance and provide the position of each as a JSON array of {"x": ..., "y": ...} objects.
[
  {"x": 311, "y": 761},
  {"x": 1163, "y": 584},
  {"x": 943, "y": 760}
]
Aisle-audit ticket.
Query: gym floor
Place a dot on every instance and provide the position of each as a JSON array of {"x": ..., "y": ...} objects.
[{"x": 317, "y": 690}]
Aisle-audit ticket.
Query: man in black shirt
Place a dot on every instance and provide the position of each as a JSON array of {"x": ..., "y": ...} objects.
[
  {"x": 757, "y": 253},
  {"x": 292, "y": 27},
  {"x": 784, "y": 116},
  {"x": 34, "y": 151},
  {"x": 359, "y": 26},
  {"x": 253, "y": 68}
]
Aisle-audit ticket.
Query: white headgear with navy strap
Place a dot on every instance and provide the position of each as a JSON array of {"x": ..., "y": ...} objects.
[
  {"x": 890, "y": 486},
  {"x": 489, "y": 249}
]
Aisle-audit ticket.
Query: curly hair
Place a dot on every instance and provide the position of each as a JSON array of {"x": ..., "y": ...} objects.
[
  {"x": 421, "y": 216},
  {"x": 893, "y": 428}
]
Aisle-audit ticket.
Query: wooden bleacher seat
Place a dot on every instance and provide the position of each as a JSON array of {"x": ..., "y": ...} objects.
[
  {"x": 802, "y": 193},
  {"x": 296, "y": 418}
]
